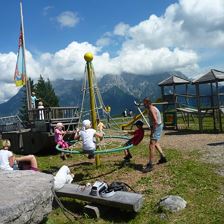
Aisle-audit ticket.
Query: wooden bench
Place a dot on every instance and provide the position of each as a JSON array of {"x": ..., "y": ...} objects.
[{"x": 128, "y": 201}]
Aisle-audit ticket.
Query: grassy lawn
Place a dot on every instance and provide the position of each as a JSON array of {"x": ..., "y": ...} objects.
[{"x": 183, "y": 175}]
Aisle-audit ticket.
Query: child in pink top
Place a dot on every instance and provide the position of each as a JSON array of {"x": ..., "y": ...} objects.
[{"x": 58, "y": 138}]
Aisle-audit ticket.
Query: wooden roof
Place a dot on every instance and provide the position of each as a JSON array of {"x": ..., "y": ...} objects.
[
  {"x": 174, "y": 80},
  {"x": 211, "y": 76}
]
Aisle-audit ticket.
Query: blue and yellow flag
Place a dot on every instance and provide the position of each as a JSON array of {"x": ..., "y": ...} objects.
[{"x": 20, "y": 71}]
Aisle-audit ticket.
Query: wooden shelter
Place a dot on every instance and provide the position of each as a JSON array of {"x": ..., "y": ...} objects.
[
  {"x": 215, "y": 99},
  {"x": 171, "y": 96}
]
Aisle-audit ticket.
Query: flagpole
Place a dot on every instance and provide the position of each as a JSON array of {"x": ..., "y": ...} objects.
[{"x": 28, "y": 89}]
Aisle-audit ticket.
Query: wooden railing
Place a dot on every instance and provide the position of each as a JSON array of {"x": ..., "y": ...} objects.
[{"x": 49, "y": 117}]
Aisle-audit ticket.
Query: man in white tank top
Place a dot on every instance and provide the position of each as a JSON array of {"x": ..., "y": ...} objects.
[{"x": 156, "y": 126}]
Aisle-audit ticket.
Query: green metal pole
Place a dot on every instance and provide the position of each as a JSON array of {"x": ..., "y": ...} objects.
[{"x": 89, "y": 57}]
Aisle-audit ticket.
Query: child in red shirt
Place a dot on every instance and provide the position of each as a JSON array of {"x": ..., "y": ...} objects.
[{"x": 135, "y": 140}]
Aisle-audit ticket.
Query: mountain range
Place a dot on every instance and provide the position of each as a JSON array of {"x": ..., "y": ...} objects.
[{"x": 118, "y": 91}]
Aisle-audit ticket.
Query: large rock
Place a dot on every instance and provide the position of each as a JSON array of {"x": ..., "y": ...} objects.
[
  {"x": 172, "y": 203},
  {"x": 25, "y": 196}
]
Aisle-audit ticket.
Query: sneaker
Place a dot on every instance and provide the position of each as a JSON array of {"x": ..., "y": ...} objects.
[
  {"x": 128, "y": 156},
  {"x": 63, "y": 157},
  {"x": 148, "y": 168},
  {"x": 69, "y": 155},
  {"x": 126, "y": 160},
  {"x": 90, "y": 156},
  {"x": 162, "y": 160}
]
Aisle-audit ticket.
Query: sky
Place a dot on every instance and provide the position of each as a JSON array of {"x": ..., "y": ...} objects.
[{"x": 141, "y": 37}]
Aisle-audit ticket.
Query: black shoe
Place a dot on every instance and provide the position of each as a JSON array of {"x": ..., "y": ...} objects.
[
  {"x": 90, "y": 156},
  {"x": 63, "y": 157},
  {"x": 148, "y": 168},
  {"x": 162, "y": 160},
  {"x": 68, "y": 155},
  {"x": 128, "y": 156},
  {"x": 126, "y": 160}
]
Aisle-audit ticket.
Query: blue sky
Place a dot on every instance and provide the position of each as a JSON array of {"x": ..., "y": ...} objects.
[
  {"x": 43, "y": 32},
  {"x": 134, "y": 36}
]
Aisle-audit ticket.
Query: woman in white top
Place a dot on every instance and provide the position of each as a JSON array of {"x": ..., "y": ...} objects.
[
  {"x": 88, "y": 136},
  {"x": 7, "y": 159}
]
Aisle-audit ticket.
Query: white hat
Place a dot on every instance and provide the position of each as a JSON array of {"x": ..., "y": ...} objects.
[
  {"x": 86, "y": 123},
  {"x": 58, "y": 125}
]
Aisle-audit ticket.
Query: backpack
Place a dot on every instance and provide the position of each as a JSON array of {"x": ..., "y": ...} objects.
[{"x": 117, "y": 186}]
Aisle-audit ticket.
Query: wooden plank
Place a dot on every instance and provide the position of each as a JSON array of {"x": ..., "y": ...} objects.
[
  {"x": 65, "y": 119},
  {"x": 121, "y": 199}
]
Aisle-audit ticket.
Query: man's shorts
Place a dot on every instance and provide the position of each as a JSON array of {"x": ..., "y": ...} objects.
[{"x": 157, "y": 133}]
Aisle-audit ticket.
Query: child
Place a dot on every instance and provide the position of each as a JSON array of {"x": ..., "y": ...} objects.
[
  {"x": 7, "y": 160},
  {"x": 100, "y": 125},
  {"x": 33, "y": 100},
  {"x": 41, "y": 111},
  {"x": 135, "y": 140},
  {"x": 58, "y": 138},
  {"x": 88, "y": 135}
]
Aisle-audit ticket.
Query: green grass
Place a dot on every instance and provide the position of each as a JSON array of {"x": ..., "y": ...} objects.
[
  {"x": 207, "y": 122},
  {"x": 184, "y": 175}
]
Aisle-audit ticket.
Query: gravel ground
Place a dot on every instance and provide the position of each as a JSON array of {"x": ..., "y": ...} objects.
[{"x": 210, "y": 145}]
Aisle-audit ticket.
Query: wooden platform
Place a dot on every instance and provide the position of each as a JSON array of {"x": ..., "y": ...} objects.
[{"x": 121, "y": 199}]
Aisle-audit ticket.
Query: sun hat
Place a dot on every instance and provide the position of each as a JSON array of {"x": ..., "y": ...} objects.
[
  {"x": 139, "y": 122},
  {"x": 59, "y": 124},
  {"x": 86, "y": 123}
]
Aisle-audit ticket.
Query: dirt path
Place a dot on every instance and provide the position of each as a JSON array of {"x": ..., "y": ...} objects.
[{"x": 210, "y": 145}]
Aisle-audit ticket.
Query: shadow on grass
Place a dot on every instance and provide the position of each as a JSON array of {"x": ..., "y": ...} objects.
[
  {"x": 138, "y": 167},
  {"x": 111, "y": 214},
  {"x": 80, "y": 164},
  {"x": 189, "y": 132},
  {"x": 81, "y": 177},
  {"x": 216, "y": 143},
  {"x": 115, "y": 215},
  {"x": 52, "y": 170}
]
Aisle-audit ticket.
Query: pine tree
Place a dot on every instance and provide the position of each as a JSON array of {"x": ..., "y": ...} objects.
[{"x": 45, "y": 93}]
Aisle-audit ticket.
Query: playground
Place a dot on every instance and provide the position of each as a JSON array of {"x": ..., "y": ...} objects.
[
  {"x": 191, "y": 168},
  {"x": 192, "y": 172}
]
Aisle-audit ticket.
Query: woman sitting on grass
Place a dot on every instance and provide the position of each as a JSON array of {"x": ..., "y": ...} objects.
[{"x": 8, "y": 160}]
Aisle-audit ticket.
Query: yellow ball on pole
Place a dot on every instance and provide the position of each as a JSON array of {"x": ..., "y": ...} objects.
[{"x": 88, "y": 56}]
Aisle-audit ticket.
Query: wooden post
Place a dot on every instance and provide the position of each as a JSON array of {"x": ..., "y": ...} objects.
[
  {"x": 28, "y": 89},
  {"x": 218, "y": 107},
  {"x": 213, "y": 106},
  {"x": 89, "y": 57},
  {"x": 199, "y": 107}
]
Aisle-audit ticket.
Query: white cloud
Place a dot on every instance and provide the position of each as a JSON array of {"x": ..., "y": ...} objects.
[
  {"x": 121, "y": 29},
  {"x": 146, "y": 61},
  {"x": 187, "y": 33},
  {"x": 104, "y": 41},
  {"x": 7, "y": 91},
  {"x": 47, "y": 9},
  {"x": 7, "y": 67},
  {"x": 68, "y": 19}
]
